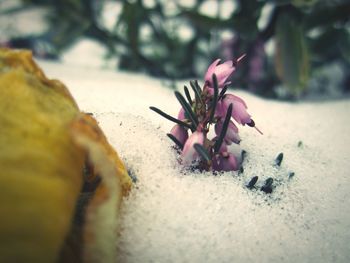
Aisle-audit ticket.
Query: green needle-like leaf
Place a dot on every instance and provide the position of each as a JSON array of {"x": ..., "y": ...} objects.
[
  {"x": 197, "y": 91},
  {"x": 188, "y": 96},
  {"x": 223, "y": 91},
  {"x": 187, "y": 109},
  {"x": 215, "y": 98},
  {"x": 176, "y": 141},
  {"x": 222, "y": 135},
  {"x": 167, "y": 116},
  {"x": 202, "y": 151},
  {"x": 197, "y": 85}
]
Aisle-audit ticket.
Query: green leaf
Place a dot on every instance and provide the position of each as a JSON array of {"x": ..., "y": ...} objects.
[
  {"x": 170, "y": 118},
  {"x": 215, "y": 98},
  {"x": 223, "y": 91},
  {"x": 188, "y": 96},
  {"x": 291, "y": 58},
  {"x": 197, "y": 91},
  {"x": 187, "y": 109},
  {"x": 202, "y": 151},
  {"x": 222, "y": 135},
  {"x": 176, "y": 141}
]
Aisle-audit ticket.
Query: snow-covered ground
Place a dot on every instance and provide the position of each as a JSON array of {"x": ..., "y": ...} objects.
[{"x": 176, "y": 216}]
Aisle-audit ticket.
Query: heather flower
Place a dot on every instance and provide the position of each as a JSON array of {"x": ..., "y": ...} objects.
[
  {"x": 223, "y": 147},
  {"x": 231, "y": 133},
  {"x": 209, "y": 107},
  {"x": 181, "y": 114},
  {"x": 222, "y": 72},
  {"x": 180, "y": 133},
  {"x": 239, "y": 112},
  {"x": 225, "y": 162},
  {"x": 189, "y": 153}
]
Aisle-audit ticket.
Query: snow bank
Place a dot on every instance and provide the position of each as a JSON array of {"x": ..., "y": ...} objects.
[{"x": 173, "y": 215}]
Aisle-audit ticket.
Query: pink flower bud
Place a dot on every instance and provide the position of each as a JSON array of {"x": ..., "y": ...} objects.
[
  {"x": 180, "y": 133},
  {"x": 231, "y": 134},
  {"x": 181, "y": 115},
  {"x": 189, "y": 153},
  {"x": 222, "y": 72},
  {"x": 225, "y": 162},
  {"x": 239, "y": 109}
]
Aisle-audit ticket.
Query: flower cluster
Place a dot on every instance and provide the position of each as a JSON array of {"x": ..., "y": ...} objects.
[{"x": 211, "y": 106}]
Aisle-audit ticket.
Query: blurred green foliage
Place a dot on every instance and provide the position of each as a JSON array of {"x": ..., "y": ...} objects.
[{"x": 307, "y": 35}]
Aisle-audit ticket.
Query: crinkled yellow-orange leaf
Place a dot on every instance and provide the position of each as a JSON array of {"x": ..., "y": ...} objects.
[{"x": 46, "y": 143}]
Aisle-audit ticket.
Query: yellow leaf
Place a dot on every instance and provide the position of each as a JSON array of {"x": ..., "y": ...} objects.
[{"x": 45, "y": 142}]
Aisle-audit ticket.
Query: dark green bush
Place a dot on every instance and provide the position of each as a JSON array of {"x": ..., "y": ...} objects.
[{"x": 308, "y": 35}]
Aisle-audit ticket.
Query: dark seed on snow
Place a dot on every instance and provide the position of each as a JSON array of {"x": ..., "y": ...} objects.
[
  {"x": 252, "y": 182},
  {"x": 279, "y": 159},
  {"x": 267, "y": 187}
]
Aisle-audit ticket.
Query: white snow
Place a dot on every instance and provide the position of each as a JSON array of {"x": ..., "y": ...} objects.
[
  {"x": 173, "y": 215},
  {"x": 88, "y": 53}
]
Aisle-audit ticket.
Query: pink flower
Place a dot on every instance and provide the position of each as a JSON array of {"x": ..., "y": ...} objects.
[
  {"x": 225, "y": 162},
  {"x": 189, "y": 153},
  {"x": 231, "y": 134},
  {"x": 239, "y": 108},
  {"x": 180, "y": 133},
  {"x": 222, "y": 72},
  {"x": 181, "y": 114},
  {"x": 220, "y": 110},
  {"x": 223, "y": 147}
]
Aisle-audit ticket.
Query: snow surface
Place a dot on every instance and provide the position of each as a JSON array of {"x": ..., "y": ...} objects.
[{"x": 173, "y": 215}]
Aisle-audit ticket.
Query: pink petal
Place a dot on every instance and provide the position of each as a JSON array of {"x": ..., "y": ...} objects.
[
  {"x": 189, "y": 154},
  {"x": 211, "y": 70},
  {"x": 227, "y": 163},
  {"x": 180, "y": 133},
  {"x": 233, "y": 98},
  {"x": 181, "y": 115},
  {"x": 230, "y": 163},
  {"x": 223, "y": 71},
  {"x": 231, "y": 134},
  {"x": 240, "y": 114},
  {"x": 220, "y": 110},
  {"x": 223, "y": 146}
]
